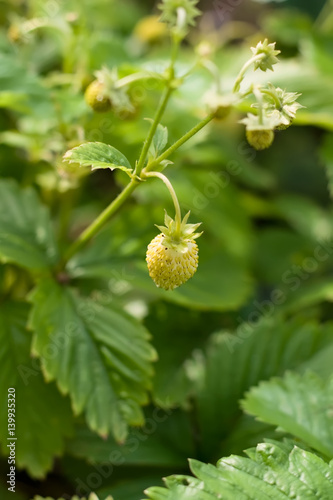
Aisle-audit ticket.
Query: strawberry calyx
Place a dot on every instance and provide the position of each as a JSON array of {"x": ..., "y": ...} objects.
[{"x": 177, "y": 236}]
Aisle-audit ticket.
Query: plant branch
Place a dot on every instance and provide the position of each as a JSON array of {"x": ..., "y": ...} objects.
[
  {"x": 99, "y": 222},
  {"x": 179, "y": 143},
  {"x": 157, "y": 118},
  {"x": 242, "y": 72}
]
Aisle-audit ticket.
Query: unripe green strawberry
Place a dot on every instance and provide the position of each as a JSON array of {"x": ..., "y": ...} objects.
[
  {"x": 260, "y": 139},
  {"x": 172, "y": 256},
  {"x": 97, "y": 98}
]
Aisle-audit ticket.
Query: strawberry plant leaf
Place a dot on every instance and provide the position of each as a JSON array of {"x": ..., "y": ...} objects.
[
  {"x": 98, "y": 155},
  {"x": 326, "y": 154},
  {"x": 271, "y": 470},
  {"x": 43, "y": 417},
  {"x": 102, "y": 357},
  {"x": 26, "y": 236},
  {"x": 155, "y": 445},
  {"x": 159, "y": 141},
  {"x": 92, "y": 496},
  {"x": 235, "y": 362},
  {"x": 298, "y": 404}
]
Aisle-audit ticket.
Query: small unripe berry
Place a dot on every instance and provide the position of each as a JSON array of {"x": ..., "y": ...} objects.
[
  {"x": 172, "y": 256},
  {"x": 96, "y": 97},
  {"x": 260, "y": 139},
  {"x": 150, "y": 29}
]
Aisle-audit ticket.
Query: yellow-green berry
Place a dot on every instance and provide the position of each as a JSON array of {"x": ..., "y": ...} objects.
[
  {"x": 97, "y": 98},
  {"x": 172, "y": 256},
  {"x": 260, "y": 139}
]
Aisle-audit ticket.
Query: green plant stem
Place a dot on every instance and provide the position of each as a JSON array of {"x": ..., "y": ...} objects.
[
  {"x": 178, "y": 216},
  {"x": 242, "y": 72},
  {"x": 160, "y": 110},
  {"x": 99, "y": 222},
  {"x": 275, "y": 98},
  {"x": 258, "y": 95},
  {"x": 157, "y": 118},
  {"x": 179, "y": 143},
  {"x": 127, "y": 80}
]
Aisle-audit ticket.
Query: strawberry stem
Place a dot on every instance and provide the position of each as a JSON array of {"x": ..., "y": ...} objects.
[
  {"x": 178, "y": 216},
  {"x": 242, "y": 72}
]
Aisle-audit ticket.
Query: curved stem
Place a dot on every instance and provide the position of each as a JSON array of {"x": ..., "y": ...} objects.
[
  {"x": 242, "y": 72},
  {"x": 99, "y": 222},
  {"x": 179, "y": 143},
  {"x": 275, "y": 98},
  {"x": 178, "y": 216},
  {"x": 141, "y": 75}
]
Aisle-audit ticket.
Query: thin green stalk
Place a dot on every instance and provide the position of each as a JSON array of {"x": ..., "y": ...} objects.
[
  {"x": 157, "y": 118},
  {"x": 179, "y": 143},
  {"x": 242, "y": 72},
  {"x": 258, "y": 95},
  {"x": 160, "y": 110},
  {"x": 178, "y": 216},
  {"x": 275, "y": 98},
  {"x": 140, "y": 75},
  {"x": 99, "y": 222}
]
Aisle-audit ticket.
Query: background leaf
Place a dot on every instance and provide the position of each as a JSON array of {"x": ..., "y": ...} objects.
[
  {"x": 300, "y": 405},
  {"x": 235, "y": 362},
  {"x": 159, "y": 141},
  {"x": 26, "y": 236},
  {"x": 102, "y": 357},
  {"x": 43, "y": 417}
]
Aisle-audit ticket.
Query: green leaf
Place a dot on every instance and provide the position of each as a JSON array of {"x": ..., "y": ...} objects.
[
  {"x": 26, "y": 236},
  {"x": 235, "y": 362},
  {"x": 131, "y": 488},
  {"x": 92, "y": 496},
  {"x": 14, "y": 100},
  {"x": 156, "y": 444},
  {"x": 311, "y": 294},
  {"x": 172, "y": 384},
  {"x": 101, "y": 356},
  {"x": 298, "y": 404},
  {"x": 98, "y": 155},
  {"x": 305, "y": 216},
  {"x": 273, "y": 470},
  {"x": 42, "y": 417},
  {"x": 159, "y": 141},
  {"x": 326, "y": 153},
  {"x": 220, "y": 283}
]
